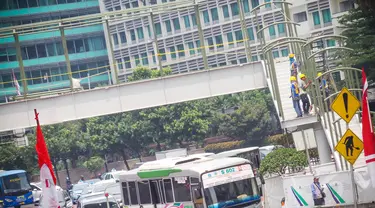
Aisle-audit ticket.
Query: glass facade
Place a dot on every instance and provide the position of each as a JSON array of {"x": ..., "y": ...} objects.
[{"x": 20, "y": 4}]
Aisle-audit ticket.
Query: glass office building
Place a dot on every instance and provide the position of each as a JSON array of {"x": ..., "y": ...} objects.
[
  {"x": 178, "y": 36},
  {"x": 43, "y": 54}
]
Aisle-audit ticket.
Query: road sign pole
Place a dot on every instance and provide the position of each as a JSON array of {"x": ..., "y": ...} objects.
[{"x": 354, "y": 187}]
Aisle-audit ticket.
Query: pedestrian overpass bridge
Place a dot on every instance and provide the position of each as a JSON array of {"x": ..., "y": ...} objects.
[{"x": 133, "y": 96}]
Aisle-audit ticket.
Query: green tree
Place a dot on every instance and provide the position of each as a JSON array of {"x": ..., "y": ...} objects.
[
  {"x": 278, "y": 161},
  {"x": 358, "y": 26},
  {"x": 94, "y": 164},
  {"x": 143, "y": 72}
]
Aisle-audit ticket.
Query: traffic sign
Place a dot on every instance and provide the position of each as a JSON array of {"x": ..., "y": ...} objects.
[
  {"x": 345, "y": 105},
  {"x": 350, "y": 146}
]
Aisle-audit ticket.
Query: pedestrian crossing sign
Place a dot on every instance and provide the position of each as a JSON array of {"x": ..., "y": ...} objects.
[{"x": 350, "y": 146}]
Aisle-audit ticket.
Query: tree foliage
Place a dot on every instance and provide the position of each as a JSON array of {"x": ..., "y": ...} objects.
[
  {"x": 278, "y": 161},
  {"x": 358, "y": 26},
  {"x": 94, "y": 164},
  {"x": 143, "y": 72}
]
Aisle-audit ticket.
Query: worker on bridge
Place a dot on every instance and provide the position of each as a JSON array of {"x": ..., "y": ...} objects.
[
  {"x": 303, "y": 94},
  {"x": 295, "y": 96}
]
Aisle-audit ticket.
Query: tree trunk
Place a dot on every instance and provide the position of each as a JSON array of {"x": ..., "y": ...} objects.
[
  {"x": 106, "y": 163},
  {"x": 56, "y": 172},
  {"x": 158, "y": 146},
  {"x": 66, "y": 167},
  {"x": 124, "y": 157}
]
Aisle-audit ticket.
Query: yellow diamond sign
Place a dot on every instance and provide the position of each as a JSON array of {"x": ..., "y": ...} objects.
[
  {"x": 345, "y": 105},
  {"x": 350, "y": 146}
]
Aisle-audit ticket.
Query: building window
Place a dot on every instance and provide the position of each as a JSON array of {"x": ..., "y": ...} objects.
[
  {"x": 239, "y": 37},
  {"x": 246, "y": 7},
  {"x": 243, "y": 60},
  {"x": 206, "y": 17},
  {"x": 316, "y": 18},
  {"x": 331, "y": 43},
  {"x": 168, "y": 25},
  {"x": 42, "y": 50},
  {"x": 272, "y": 31},
  {"x": 31, "y": 51},
  {"x": 254, "y": 58},
  {"x": 176, "y": 24},
  {"x": 250, "y": 32},
  {"x": 275, "y": 54},
  {"x": 327, "y": 16},
  {"x": 198, "y": 44},
  {"x": 234, "y": 8},
  {"x": 172, "y": 51},
  {"x": 181, "y": 50},
  {"x": 255, "y": 3},
  {"x": 127, "y": 62},
  {"x": 210, "y": 43},
  {"x": 281, "y": 28},
  {"x": 284, "y": 52},
  {"x": 140, "y": 33},
  {"x": 136, "y": 59},
  {"x": 123, "y": 37},
  {"x": 119, "y": 64},
  {"x": 158, "y": 28},
  {"x": 268, "y": 5},
  {"x": 162, "y": 54},
  {"x": 300, "y": 17},
  {"x": 149, "y": 31},
  {"x": 144, "y": 59},
  {"x": 219, "y": 41},
  {"x": 230, "y": 38},
  {"x": 191, "y": 48},
  {"x": 186, "y": 21},
  {"x": 214, "y": 14},
  {"x": 225, "y": 11},
  {"x": 346, "y": 6},
  {"x": 132, "y": 35},
  {"x": 194, "y": 19}
]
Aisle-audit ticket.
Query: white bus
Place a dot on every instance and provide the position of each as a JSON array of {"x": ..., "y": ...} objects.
[{"x": 191, "y": 182}]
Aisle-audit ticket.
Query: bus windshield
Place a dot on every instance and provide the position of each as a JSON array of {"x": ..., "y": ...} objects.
[
  {"x": 231, "y": 194},
  {"x": 15, "y": 183},
  {"x": 230, "y": 187}
]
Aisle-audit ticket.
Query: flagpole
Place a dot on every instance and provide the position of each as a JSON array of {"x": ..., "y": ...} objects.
[
  {"x": 354, "y": 187},
  {"x": 36, "y": 117}
]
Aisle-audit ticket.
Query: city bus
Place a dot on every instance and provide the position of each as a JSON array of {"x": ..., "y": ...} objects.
[
  {"x": 250, "y": 153},
  {"x": 15, "y": 189},
  {"x": 191, "y": 182}
]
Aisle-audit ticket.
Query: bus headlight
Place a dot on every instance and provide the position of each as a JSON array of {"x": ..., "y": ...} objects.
[{"x": 8, "y": 200}]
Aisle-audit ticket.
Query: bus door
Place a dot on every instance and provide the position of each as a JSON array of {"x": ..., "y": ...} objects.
[{"x": 156, "y": 193}]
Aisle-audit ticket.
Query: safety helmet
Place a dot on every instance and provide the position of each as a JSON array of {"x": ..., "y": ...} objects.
[
  {"x": 293, "y": 78},
  {"x": 319, "y": 74},
  {"x": 291, "y": 55},
  {"x": 302, "y": 76}
]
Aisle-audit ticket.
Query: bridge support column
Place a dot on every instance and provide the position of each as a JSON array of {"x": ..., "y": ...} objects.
[
  {"x": 200, "y": 33},
  {"x": 20, "y": 63},
  {"x": 244, "y": 31},
  {"x": 113, "y": 65},
  {"x": 156, "y": 45},
  {"x": 323, "y": 147},
  {"x": 66, "y": 54}
]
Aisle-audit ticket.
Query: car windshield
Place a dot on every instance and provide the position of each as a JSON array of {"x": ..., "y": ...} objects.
[
  {"x": 231, "y": 194},
  {"x": 15, "y": 182},
  {"x": 101, "y": 205}
]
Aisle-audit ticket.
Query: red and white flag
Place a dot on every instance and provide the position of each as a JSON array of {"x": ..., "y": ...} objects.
[
  {"x": 15, "y": 82},
  {"x": 368, "y": 131},
  {"x": 47, "y": 177}
]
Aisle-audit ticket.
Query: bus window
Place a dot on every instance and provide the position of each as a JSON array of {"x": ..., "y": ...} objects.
[
  {"x": 168, "y": 193},
  {"x": 155, "y": 193},
  {"x": 144, "y": 192},
  {"x": 133, "y": 193},
  {"x": 126, "y": 193},
  {"x": 181, "y": 188},
  {"x": 194, "y": 180}
]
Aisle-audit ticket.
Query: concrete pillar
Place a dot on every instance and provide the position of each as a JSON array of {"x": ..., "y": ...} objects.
[{"x": 324, "y": 150}]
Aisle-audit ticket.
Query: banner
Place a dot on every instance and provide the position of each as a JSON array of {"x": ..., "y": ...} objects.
[
  {"x": 337, "y": 187},
  {"x": 297, "y": 190},
  {"x": 274, "y": 192}
]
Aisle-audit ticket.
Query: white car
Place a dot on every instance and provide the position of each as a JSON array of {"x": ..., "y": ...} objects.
[
  {"x": 97, "y": 200},
  {"x": 64, "y": 199},
  {"x": 110, "y": 184}
]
